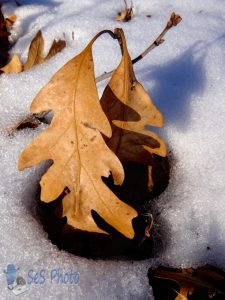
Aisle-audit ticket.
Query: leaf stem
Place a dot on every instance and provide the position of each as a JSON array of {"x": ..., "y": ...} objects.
[
  {"x": 173, "y": 21},
  {"x": 110, "y": 32}
]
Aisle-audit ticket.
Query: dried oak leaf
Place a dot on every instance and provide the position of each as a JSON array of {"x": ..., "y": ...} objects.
[
  {"x": 35, "y": 53},
  {"x": 14, "y": 66},
  {"x": 126, "y": 15},
  {"x": 129, "y": 110},
  {"x": 36, "y": 49},
  {"x": 75, "y": 144},
  {"x": 55, "y": 48},
  {"x": 192, "y": 284},
  {"x": 9, "y": 21}
]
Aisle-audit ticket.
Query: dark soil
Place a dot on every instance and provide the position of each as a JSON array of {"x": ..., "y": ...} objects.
[
  {"x": 4, "y": 41},
  {"x": 134, "y": 192}
]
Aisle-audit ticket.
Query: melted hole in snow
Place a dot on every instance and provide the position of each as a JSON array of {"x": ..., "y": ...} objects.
[{"x": 134, "y": 191}]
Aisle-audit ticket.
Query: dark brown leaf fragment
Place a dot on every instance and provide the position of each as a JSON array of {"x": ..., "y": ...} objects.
[
  {"x": 4, "y": 41},
  {"x": 203, "y": 283},
  {"x": 56, "y": 47}
]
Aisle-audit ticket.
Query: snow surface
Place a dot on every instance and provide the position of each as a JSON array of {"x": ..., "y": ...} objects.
[{"x": 185, "y": 78}]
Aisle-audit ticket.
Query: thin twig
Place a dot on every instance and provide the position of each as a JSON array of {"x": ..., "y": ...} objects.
[
  {"x": 147, "y": 229},
  {"x": 173, "y": 21}
]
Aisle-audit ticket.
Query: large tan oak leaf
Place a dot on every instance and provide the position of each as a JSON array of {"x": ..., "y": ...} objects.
[
  {"x": 75, "y": 144},
  {"x": 129, "y": 110}
]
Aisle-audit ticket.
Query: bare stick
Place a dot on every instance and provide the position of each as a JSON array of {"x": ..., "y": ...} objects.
[
  {"x": 173, "y": 21},
  {"x": 147, "y": 229}
]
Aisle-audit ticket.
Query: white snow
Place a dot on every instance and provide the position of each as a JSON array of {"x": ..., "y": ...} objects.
[{"x": 184, "y": 76}]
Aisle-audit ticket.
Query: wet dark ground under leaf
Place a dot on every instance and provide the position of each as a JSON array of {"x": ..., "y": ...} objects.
[
  {"x": 134, "y": 192},
  {"x": 4, "y": 41}
]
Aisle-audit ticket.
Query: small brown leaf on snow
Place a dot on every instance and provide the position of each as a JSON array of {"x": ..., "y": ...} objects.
[
  {"x": 35, "y": 53},
  {"x": 56, "y": 47},
  {"x": 14, "y": 66}
]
